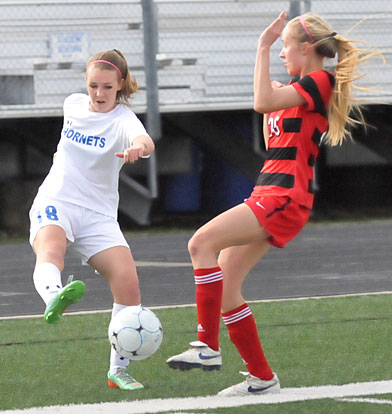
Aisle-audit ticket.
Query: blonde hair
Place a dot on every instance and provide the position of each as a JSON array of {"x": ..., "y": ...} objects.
[
  {"x": 117, "y": 63},
  {"x": 344, "y": 110}
]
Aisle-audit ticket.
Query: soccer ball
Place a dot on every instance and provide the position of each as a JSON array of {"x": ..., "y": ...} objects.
[{"x": 135, "y": 333}]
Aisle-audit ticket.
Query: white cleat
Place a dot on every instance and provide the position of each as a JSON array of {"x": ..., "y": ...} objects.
[
  {"x": 252, "y": 386},
  {"x": 199, "y": 355}
]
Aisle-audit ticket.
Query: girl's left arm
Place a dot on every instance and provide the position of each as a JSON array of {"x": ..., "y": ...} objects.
[
  {"x": 269, "y": 96},
  {"x": 142, "y": 146}
]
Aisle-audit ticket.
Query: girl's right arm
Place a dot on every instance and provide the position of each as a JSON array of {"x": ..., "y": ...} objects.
[{"x": 142, "y": 146}]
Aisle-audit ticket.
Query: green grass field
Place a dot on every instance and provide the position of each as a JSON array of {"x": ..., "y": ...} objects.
[{"x": 310, "y": 342}]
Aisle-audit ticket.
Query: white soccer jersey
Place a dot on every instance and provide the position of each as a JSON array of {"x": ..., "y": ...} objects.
[{"x": 85, "y": 170}]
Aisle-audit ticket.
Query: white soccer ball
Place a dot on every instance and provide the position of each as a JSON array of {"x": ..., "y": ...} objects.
[{"x": 135, "y": 333}]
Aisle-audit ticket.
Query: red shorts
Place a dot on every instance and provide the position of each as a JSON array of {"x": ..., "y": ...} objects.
[{"x": 280, "y": 216}]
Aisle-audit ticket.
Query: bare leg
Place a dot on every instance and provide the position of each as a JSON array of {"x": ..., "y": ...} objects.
[
  {"x": 235, "y": 227},
  {"x": 242, "y": 242},
  {"x": 49, "y": 246},
  {"x": 236, "y": 262},
  {"x": 118, "y": 267}
]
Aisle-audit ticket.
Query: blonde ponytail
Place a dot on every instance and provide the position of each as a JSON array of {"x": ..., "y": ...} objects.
[{"x": 344, "y": 111}]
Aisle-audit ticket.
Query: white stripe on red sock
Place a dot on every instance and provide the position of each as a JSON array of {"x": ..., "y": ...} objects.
[
  {"x": 242, "y": 314},
  {"x": 210, "y": 278}
]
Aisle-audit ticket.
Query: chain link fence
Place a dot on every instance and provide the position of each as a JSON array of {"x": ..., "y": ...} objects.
[{"x": 206, "y": 48}]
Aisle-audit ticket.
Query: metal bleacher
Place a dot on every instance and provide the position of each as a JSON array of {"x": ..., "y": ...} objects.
[
  {"x": 30, "y": 48},
  {"x": 206, "y": 48},
  {"x": 371, "y": 25},
  {"x": 220, "y": 39}
]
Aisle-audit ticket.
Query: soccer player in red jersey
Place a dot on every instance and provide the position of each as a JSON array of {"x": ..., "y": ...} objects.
[{"x": 314, "y": 107}]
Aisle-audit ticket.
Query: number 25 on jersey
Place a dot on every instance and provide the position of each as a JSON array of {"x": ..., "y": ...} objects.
[{"x": 273, "y": 127}]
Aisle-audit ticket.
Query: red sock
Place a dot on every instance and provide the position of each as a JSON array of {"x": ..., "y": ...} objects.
[
  {"x": 209, "y": 284},
  {"x": 243, "y": 334}
]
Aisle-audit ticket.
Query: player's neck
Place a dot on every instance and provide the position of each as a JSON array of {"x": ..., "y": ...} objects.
[{"x": 312, "y": 65}]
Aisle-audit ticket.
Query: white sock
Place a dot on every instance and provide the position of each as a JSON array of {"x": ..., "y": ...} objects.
[
  {"x": 116, "y": 360},
  {"x": 47, "y": 280}
]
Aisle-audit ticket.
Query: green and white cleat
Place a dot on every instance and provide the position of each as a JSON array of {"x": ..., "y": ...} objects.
[
  {"x": 71, "y": 293},
  {"x": 121, "y": 379}
]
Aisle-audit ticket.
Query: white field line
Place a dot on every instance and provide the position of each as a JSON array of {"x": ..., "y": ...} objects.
[
  {"x": 366, "y": 400},
  {"x": 188, "y": 305},
  {"x": 201, "y": 403}
]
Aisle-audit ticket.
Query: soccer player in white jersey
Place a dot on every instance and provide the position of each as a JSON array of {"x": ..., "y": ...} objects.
[{"x": 77, "y": 203}]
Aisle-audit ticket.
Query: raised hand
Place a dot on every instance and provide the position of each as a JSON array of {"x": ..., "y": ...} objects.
[{"x": 273, "y": 31}]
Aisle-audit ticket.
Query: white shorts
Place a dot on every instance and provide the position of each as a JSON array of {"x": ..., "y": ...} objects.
[{"x": 87, "y": 231}]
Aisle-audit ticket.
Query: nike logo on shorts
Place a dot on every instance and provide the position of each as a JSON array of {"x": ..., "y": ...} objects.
[{"x": 260, "y": 205}]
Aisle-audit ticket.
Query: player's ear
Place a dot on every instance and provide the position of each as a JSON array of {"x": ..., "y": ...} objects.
[
  {"x": 121, "y": 84},
  {"x": 306, "y": 48}
]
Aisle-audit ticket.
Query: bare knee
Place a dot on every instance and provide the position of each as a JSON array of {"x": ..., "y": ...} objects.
[
  {"x": 222, "y": 262},
  {"x": 198, "y": 244},
  {"x": 51, "y": 254},
  {"x": 125, "y": 288},
  {"x": 49, "y": 246},
  {"x": 126, "y": 279}
]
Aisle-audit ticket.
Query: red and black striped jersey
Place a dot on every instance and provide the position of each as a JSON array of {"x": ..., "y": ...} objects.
[{"x": 295, "y": 136}]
